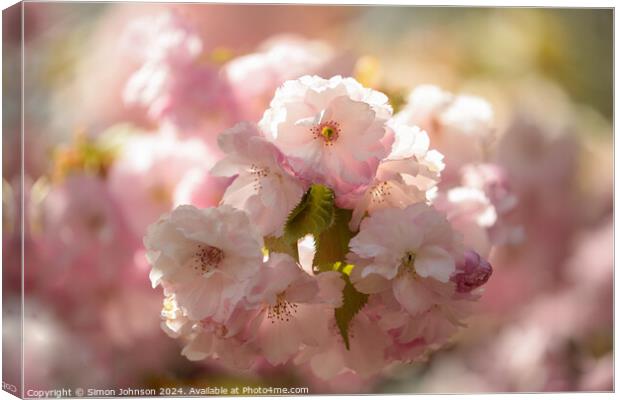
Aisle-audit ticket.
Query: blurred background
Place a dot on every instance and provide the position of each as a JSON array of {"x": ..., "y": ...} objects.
[{"x": 91, "y": 318}]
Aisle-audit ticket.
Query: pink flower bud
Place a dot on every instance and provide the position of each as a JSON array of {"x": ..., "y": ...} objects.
[{"x": 473, "y": 272}]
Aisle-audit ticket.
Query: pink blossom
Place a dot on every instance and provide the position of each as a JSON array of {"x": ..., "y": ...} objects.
[
  {"x": 472, "y": 273},
  {"x": 200, "y": 188},
  {"x": 494, "y": 182},
  {"x": 176, "y": 84},
  {"x": 209, "y": 341},
  {"x": 331, "y": 131},
  {"x": 408, "y": 175},
  {"x": 413, "y": 336},
  {"x": 228, "y": 341},
  {"x": 187, "y": 98},
  {"x": 407, "y": 258},
  {"x": 145, "y": 176},
  {"x": 90, "y": 280},
  {"x": 365, "y": 356},
  {"x": 460, "y": 127},
  {"x": 162, "y": 36},
  {"x": 294, "y": 309},
  {"x": 82, "y": 235},
  {"x": 205, "y": 257},
  {"x": 412, "y": 158},
  {"x": 255, "y": 77},
  {"x": 417, "y": 239},
  {"x": 471, "y": 213},
  {"x": 426, "y": 323},
  {"x": 482, "y": 208},
  {"x": 174, "y": 321},
  {"x": 387, "y": 191},
  {"x": 261, "y": 185}
]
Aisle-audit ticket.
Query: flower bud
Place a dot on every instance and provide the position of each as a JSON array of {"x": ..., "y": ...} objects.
[{"x": 473, "y": 272}]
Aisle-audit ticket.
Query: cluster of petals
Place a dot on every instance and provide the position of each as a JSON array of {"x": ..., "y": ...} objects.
[
  {"x": 254, "y": 77},
  {"x": 176, "y": 80},
  {"x": 332, "y": 131},
  {"x": 208, "y": 215},
  {"x": 461, "y": 127},
  {"x": 162, "y": 171},
  {"x": 226, "y": 299},
  {"x": 195, "y": 89},
  {"x": 481, "y": 208},
  {"x": 262, "y": 185},
  {"x": 230, "y": 298}
]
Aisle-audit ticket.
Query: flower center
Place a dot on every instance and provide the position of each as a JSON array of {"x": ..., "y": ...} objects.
[
  {"x": 220, "y": 331},
  {"x": 379, "y": 192},
  {"x": 207, "y": 258},
  {"x": 259, "y": 173},
  {"x": 282, "y": 311},
  {"x": 407, "y": 262},
  {"x": 327, "y": 131}
]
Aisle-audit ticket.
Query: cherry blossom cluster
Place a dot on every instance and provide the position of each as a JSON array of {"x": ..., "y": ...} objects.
[
  {"x": 337, "y": 244},
  {"x": 135, "y": 159}
]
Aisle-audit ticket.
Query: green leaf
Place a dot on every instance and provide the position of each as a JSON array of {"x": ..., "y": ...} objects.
[
  {"x": 317, "y": 215},
  {"x": 332, "y": 245},
  {"x": 353, "y": 302},
  {"x": 279, "y": 245},
  {"x": 313, "y": 214}
]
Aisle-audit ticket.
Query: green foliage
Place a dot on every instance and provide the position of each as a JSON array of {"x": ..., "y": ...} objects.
[
  {"x": 279, "y": 245},
  {"x": 317, "y": 215},
  {"x": 332, "y": 245},
  {"x": 353, "y": 302},
  {"x": 313, "y": 215}
]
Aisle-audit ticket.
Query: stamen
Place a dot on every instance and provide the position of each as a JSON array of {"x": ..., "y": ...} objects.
[
  {"x": 327, "y": 131},
  {"x": 407, "y": 264},
  {"x": 207, "y": 258},
  {"x": 221, "y": 331},
  {"x": 259, "y": 173},
  {"x": 283, "y": 310},
  {"x": 379, "y": 192}
]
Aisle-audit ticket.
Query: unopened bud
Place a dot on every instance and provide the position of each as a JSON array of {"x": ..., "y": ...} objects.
[{"x": 473, "y": 272}]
